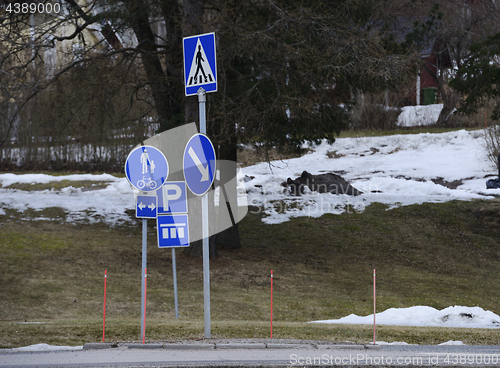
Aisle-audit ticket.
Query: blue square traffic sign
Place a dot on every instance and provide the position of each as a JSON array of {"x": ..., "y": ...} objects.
[
  {"x": 146, "y": 206},
  {"x": 172, "y": 198},
  {"x": 173, "y": 231}
]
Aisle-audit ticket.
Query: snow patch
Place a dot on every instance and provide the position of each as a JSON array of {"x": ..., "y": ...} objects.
[
  {"x": 394, "y": 170},
  {"x": 419, "y": 115},
  {"x": 45, "y": 347},
  {"x": 457, "y": 316},
  {"x": 452, "y": 342}
]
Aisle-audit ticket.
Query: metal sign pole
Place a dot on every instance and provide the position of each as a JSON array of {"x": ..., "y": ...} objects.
[
  {"x": 174, "y": 268},
  {"x": 202, "y": 98},
  {"x": 144, "y": 265}
]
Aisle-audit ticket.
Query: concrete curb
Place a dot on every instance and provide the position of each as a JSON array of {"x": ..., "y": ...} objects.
[
  {"x": 373, "y": 347},
  {"x": 343, "y": 347},
  {"x": 99, "y": 346},
  {"x": 179, "y": 346},
  {"x": 290, "y": 346},
  {"x": 143, "y": 346},
  {"x": 230, "y": 346},
  {"x": 255, "y": 345}
]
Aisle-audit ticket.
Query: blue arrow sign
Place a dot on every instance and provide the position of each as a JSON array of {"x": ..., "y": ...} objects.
[
  {"x": 199, "y": 164},
  {"x": 200, "y": 64},
  {"x": 146, "y": 206},
  {"x": 173, "y": 231},
  {"x": 146, "y": 168},
  {"x": 172, "y": 198}
]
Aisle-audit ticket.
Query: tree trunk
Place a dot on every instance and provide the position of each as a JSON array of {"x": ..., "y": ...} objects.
[
  {"x": 449, "y": 96},
  {"x": 229, "y": 238},
  {"x": 193, "y": 25},
  {"x": 450, "y": 99},
  {"x": 165, "y": 103}
]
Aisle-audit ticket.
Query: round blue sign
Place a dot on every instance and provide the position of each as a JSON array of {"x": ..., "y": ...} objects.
[
  {"x": 199, "y": 164},
  {"x": 146, "y": 168}
]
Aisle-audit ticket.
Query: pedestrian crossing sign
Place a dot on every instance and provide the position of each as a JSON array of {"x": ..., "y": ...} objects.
[{"x": 200, "y": 64}]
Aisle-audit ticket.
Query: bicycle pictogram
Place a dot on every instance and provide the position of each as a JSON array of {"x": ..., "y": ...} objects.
[{"x": 151, "y": 184}]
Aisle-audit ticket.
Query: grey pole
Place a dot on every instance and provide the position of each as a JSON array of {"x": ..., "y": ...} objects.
[
  {"x": 202, "y": 98},
  {"x": 144, "y": 265},
  {"x": 176, "y": 301},
  {"x": 499, "y": 166}
]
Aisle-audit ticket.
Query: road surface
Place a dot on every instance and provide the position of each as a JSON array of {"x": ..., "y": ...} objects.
[{"x": 249, "y": 353}]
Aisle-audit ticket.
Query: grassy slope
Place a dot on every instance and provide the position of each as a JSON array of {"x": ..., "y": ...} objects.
[{"x": 431, "y": 254}]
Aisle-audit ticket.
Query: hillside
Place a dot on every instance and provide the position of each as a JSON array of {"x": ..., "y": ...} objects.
[
  {"x": 427, "y": 225},
  {"x": 436, "y": 255}
]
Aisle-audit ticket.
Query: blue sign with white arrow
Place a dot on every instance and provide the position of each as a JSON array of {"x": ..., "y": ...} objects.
[
  {"x": 172, "y": 198},
  {"x": 173, "y": 231},
  {"x": 146, "y": 168},
  {"x": 146, "y": 206},
  {"x": 200, "y": 64},
  {"x": 199, "y": 164}
]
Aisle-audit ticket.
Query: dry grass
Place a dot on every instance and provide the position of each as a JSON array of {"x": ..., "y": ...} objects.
[{"x": 432, "y": 254}]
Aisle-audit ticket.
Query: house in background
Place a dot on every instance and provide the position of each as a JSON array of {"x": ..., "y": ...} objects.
[
  {"x": 434, "y": 57},
  {"x": 435, "y": 60},
  {"x": 51, "y": 33}
]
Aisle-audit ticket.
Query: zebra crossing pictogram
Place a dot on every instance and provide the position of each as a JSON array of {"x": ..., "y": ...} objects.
[{"x": 200, "y": 72}]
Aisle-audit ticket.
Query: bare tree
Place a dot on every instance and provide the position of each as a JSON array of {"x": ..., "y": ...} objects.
[{"x": 287, "y": 69}]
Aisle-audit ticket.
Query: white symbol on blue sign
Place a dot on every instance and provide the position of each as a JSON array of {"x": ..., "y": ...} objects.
[
  {"x": 146, "y": 168},
  {"x": 200, "y": 64},
  {"x": 145, "y": 161},
  {"x": 147, "y": 206},
  {"x": 199, "y": 164},
  {"x": 173, "y": 231},
  {"x": 172, "y": 198}
]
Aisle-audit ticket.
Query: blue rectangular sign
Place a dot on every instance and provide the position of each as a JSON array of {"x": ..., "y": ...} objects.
[
  {"x": 172, "y": 198},
  {"x": 173, "y": 231},
  {"x": 200, "y": 64},
  {"x": 146, "y": 207}
]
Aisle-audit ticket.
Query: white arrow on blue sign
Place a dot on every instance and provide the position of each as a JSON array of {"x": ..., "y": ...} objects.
[
  {"x": 200, "y": 64},
  {"x": 199, "y": 164},
  {"x": 173, "y": 231},
  {"x": 146, "y": 168},
  {"x": 146, "y": 206}
]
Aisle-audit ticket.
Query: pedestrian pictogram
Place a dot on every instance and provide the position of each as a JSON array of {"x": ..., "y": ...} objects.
[
  {"x": 146, "y": 161},
  {"x": 200, "y": 63},
  {"x": 200, "y": 72}
]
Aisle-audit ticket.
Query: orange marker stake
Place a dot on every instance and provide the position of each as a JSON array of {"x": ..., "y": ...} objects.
[
  {"x": 271, "y": 304},
  {"x": 104, "y": 310},
  {"x": 374, "y": 303}
]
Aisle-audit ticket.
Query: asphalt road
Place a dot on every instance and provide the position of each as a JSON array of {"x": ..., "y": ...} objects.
[{"x": 275, "y": 353}]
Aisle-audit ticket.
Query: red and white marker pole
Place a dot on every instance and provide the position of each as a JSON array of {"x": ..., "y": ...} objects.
[
  {"x": 374, "y": 308},
  {"x": 271, "y": 304},
  {"x": 104, "y": 309}
]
